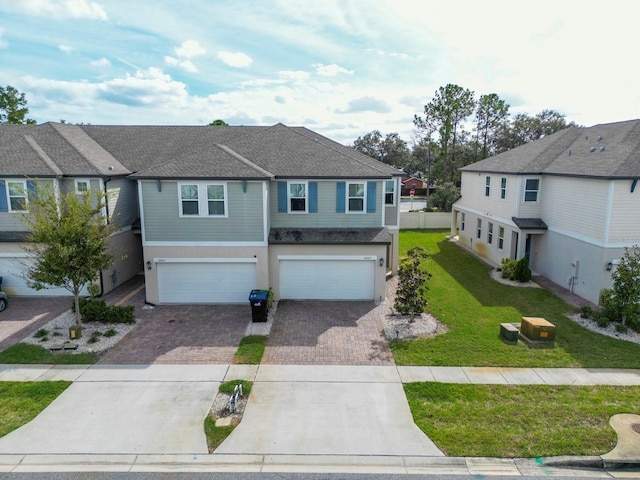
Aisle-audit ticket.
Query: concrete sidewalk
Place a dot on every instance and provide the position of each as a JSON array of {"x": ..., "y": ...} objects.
[{"x": 310, "y": 418}]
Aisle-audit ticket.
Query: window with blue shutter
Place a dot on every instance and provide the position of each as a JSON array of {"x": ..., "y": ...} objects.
[
  {"x": 4, "y": 206},
  {"x": 340, "y": 196},
  {"x": 313, "y": 197},
  {"x": 282, "y": 197},
  {"x": 31, "y": 189},
  {"x": 371, "y": 197}
]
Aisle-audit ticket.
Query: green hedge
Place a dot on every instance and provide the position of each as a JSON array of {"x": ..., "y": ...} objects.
[{"x": 92, "y": 310}]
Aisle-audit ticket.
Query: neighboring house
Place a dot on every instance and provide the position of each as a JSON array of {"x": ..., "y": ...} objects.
[
  {"x": 412, "y": 183},
  {"x": 224, "y": 210},
  {"x": 571, "y": 201},
  {"x": 64, "y": 158}
]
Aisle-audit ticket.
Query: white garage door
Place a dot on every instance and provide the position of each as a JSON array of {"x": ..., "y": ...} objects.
[
  {"x": 327, "y": 279},
  {"x": 13, "y": 284},
  {"x": 206, "y": 282}
]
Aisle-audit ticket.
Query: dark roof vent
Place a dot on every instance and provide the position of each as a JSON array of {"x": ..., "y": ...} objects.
[
  {"x": 569, "y": 152},
  {"x": 592, "y": 149},
  {"x": 599, "y": 138},
  {"x": 602, "y": 148}
]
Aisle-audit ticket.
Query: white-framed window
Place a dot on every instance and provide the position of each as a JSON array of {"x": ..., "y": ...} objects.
[
  {"x": 487, "y": 186},
  {"x": 479, "y": 228},
  {"x": 503, "y": 188},
  {"x": 462, "y": 220},
  {"x": 490, "y": 233},
  {"x": 216, "y": 199},
  {"x": 298, "y": 201},
  {"x": 201, "y": 199},
  {"x": 82, "y": 185},
  {"x": 500, "y": 238},
  {"x": 356, "y": 197},
  {"x": 390, "y": 192},
  {"x": 17, "y": 192},
  {"x": 531, "y": 187}
]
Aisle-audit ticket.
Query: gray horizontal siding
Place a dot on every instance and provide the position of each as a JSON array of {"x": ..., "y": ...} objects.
[
  {"x": 12, "y": 221},
  {"x": 326, "y": 217},
  {"x": 122, "y": 198},
  {"x": 391, "y": 215},
  {"x": 162, "y": 221}
]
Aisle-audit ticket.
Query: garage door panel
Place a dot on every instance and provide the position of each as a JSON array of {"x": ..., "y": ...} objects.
[
  {"x": 327, "y": 279},
  {"x": 205, "y": 282},
  {"x": 11, "y": 270}
]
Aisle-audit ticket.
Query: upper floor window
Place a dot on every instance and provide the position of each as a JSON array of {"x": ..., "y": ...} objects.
[
  {"x": 531, "y": 187},
  {"x": 390, "y": 192},
  {"x": 82, "y": 185},
  {"x": 487, "y": 186},
  {"x": 216, "y": 199},
  {"x": 201, "y": 199},
  {"x": 298, "y": 197},
  {"x": 17, "y": 191},
  {"x": 503, "y": 188},
  {"x": 356, "y": 197}
]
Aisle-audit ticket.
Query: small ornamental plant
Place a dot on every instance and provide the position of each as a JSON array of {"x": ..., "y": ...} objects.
[{"x": 410, "y": 294}]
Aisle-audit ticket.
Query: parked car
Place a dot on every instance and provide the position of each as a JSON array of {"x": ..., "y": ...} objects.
[{"x": 3, "y": 298}]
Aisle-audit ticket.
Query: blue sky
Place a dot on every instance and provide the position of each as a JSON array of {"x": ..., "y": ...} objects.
[{"x": 342, "y": 68}]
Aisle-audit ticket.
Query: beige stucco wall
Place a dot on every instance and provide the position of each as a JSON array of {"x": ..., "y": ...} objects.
[{"x": 127, "y": 249}]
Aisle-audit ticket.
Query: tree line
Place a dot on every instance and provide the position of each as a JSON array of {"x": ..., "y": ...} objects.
[{"x": 457, "y": 129}]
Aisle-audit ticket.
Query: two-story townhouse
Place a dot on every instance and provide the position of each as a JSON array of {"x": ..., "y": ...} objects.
[
  {"x": 62, "y": 158},
  {"x": 569, "y": 201},
  {"x": 275, "y": 207},
  {"x": 210, "y": 213}
]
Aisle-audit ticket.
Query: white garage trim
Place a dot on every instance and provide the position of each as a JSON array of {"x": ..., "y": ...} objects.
[
  {"x": 190, "y": 280},
  {"x": 327, "y": 277}
]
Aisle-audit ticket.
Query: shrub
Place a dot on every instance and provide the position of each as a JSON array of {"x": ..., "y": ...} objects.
[
  {"x": 586, "y": 311},
  {"x": 110, "y": 333},
  {"x": 43, "y": 332},
  {"x": 93, "y": 310},
  {"x": 517, "y": 270},
  {"x": 410, "y": 295},
  {"x": 95, "y": 336}
]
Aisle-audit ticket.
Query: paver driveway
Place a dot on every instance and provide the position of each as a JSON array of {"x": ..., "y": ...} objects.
[{"x": 328, "y": 333}]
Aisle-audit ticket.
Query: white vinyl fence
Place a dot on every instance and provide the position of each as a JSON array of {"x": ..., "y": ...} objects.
[{"x": 418, "y": 220}]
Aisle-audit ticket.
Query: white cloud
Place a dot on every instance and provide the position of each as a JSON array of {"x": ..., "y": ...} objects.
[
  {"x": 235, "y": 59},
  {"x": 171, "y": 61},
  {"x": 330, "y": 70},
  {"x": 296, "y": 76},
  {"x": 184, "y": 64},
  {"x": 189, "y": 49},
  {"x": 63, "y": 9},
  {"x": 103, "y": 62},
  {"x": 65, "y": 48}
]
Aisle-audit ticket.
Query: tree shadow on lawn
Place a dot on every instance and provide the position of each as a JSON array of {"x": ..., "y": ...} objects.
[{"x": 475, "y": 283}]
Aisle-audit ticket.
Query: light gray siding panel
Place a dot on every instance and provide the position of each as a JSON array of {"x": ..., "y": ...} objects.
[
  {"x": 391, "y": 215},
  {"x": 326, "y": 217},
  {"x": 122, "y": 201},
  {"x": 625, "y": 214},
  {"x": 12, "y": 221},
  {"x": 162, "y": 222}
]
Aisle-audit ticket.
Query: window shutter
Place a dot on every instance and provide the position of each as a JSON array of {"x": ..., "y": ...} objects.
[
  {"x": 31, "y": 189},
  {"x": 341, "y": 189},
  {"x": 313, "y": 197},
  {"x": 282, "y": 197},
  {"x": 371, "y": 197},
  {"x": 4, "y": 206}
]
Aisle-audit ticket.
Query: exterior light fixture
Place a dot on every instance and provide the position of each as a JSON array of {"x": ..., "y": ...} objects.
[
  {"x": 381, "y": 261},
  {"x": 609, "y": 266},
  {"x": 148, "y": 265}
]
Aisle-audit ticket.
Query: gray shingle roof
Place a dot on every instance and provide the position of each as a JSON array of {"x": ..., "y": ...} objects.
[
  {"x": 330, "y": 236},
  {"x": 609, "y": 150},
  {"x": 180, "y": 152},
  {"x": 529, "y": 223}
]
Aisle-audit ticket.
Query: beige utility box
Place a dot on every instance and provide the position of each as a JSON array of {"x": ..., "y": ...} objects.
[{"x": 537, "y": 329}]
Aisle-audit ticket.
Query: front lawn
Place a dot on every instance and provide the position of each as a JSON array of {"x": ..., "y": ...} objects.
[
  {"x": 472, "y": 305},
  {"x": 27, "y": 353},
  {"x": 21, "y": 402},
  {"x": 519, "y": 420}
]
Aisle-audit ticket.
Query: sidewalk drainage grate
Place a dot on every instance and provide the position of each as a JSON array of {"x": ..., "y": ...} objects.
[{"x": 635, "y": 427}]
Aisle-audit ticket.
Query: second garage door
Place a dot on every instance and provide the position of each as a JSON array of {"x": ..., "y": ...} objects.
[
  {"x": 205, "y": 282},
  {"x": 327, "y": 279}
]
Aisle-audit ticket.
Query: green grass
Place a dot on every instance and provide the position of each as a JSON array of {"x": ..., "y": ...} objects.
[
  {"x": 519, "y": 420},
  {"x": 250, "y": 350},
  {"x": 27, "y": 353},
  {"x": 216, "y": 435},
  {"x": 21, "y": 402},
  {"x": 472, "y": 305}
]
